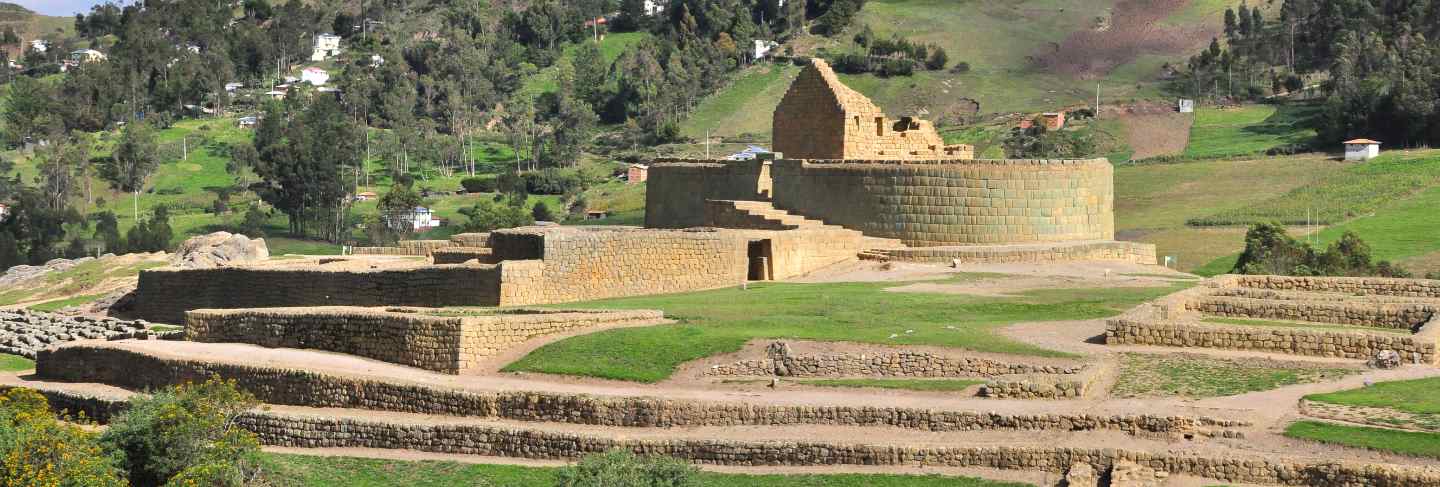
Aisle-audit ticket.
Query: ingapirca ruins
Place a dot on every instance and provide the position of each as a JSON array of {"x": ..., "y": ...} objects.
[{"x": 423, "y": 331}]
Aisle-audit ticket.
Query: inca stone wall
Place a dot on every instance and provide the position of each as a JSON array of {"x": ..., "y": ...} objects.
[
  {"x": 593, "y": 263},
  {"x": 1139, "y": 253},
  {"x": 677, "y": 189},
  {"x": 938, "y": 203},
  {"x": 889, "y": 364},
  {"x": 321, "y": 432},
  {"x": 405, "y": 247},
  {"x": 137, "y": 371},
  {"x": 821, "y": 118},
  {"x": 461, "y": 255},
  {"x": 1360, "y": 303},
  {"x": 447, "y": 344},
  {"x": 165, "y": 294}
]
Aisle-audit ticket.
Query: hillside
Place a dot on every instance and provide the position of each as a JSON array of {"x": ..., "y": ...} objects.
[
  {"x": 29, "y": 25},
  {"x": 1024, "y": 56}
]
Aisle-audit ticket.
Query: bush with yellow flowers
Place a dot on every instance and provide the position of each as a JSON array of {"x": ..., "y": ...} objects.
[
  {"x": 187, "y": 436},
  {"x": 39, "y": 450}
]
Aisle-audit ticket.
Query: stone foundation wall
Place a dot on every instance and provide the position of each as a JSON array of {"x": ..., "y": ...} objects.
[
  {"x": 1394, "y": 316},
  {"x": 319, "y": 432},
  {"x": 405, "y": 247},
  {"x": 894, "y": 364},
  {"x": 447, "y": 344},
  {"x": 1418, "y": 348},
  {"x": 97, "y": 363},
  {"x": 1420, "y": 288},
  {"x": 165, "y": 294},
  {"x": 1049, "y": 386},
  {"x": 461, "y": 255},
  {"x": 1139, "y": 253},
  {"x": 954, "y": 202}
]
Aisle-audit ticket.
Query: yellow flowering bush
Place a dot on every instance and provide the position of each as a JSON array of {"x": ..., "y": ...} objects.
[{"x": 38, "y": 450}]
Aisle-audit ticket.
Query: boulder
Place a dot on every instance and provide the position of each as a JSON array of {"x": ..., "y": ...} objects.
[
  {"x": 219, "y": 249},
  {"x": 1125, "y": 473},
  {"x": 1385, "y": 359}
]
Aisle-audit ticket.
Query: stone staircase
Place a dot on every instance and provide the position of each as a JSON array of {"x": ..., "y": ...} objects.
[{"x": 762, "y": 215}]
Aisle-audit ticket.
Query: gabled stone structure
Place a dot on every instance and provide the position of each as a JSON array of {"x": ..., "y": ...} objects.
[{"x": 821, "y": 118}]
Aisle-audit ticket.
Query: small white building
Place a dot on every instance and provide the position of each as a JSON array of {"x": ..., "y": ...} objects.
[
  {"x": 376, "y": 60},
  {"x": 87, "y": 56},
  {"x": 365, "y": 196},
  {"x": 315, "y": 76},
  {"x": 275, "y": 94},
  {"x": 232, "y": 86},
  {"x": 424, "y": 219},
  {"x": 1185, "y": 106},
  {"x": 247, "y": 122},
  {"x": 326, "y": 46},
  {"x": 4, "y": 211},
  {"x": 763, "y": 48},
  {"x": 654, "y": 7},
  {"x": 39, "y": 45},
  {"x": 1361, "y": 149}
]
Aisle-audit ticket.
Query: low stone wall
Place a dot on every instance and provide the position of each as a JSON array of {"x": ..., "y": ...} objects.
[
  {"x": 136, "y": 371},
  {"x": 1421, "y": 288},
  {"x": 890, "y": 364},
  {"x": 461, "y": 255},
  {"x": 1418, "y": 348},
  {"x": 322, "y": 432},
  {"x": 471, "y": 239},
  {"x": 1139, "y": 253},
  {"x": 404, "y": 247},
  {"x": 1377, "y": 315},
  {"x": 165, "y": 294},
  {"x": 447, "y": 344},
  {"x": 1039, "y": 386}
]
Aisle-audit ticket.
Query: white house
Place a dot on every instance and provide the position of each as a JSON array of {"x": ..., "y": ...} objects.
[
  {"x": 232, "y": 86},
  {"x": 39, "y": 45},
  {"x": 276, "y": 94},
  {"x": 423, "y": 218},
  {"x": 654, "y": 7},
  {"x": 365, "y": 196},
  {"x": 87, "y": 56},
  {"x": 763, "y": 48},
  {"x": 248, "y": 121},
  {"x": 1361, "y": 149},
  {"x": 326, "y": 45},
  {"x": 315, "y": 76},
  {"x": 1185, "y": 105},
  {"x": 376, "y": 60}
]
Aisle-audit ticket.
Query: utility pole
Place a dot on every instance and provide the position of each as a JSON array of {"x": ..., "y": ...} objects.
[
  {"x": 707, "y": 144},
  {"x": 1097, "y": 101}
]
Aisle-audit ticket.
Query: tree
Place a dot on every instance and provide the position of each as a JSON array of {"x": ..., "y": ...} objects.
[
  {"x": 938, "y": 59},
  {"x": 397, "y": 212},
  {"x": 301, "y": 156},
  {"x": 485, "y": 216},
  {"x": 541, "y": 212},
  {"x": 135, "y": 157},
  {"x": 107, "y": 230},
  {"x": 187, "y": 435}
]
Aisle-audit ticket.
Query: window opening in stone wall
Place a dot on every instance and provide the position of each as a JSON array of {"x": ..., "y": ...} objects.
[{"x": 761, "y": 260}]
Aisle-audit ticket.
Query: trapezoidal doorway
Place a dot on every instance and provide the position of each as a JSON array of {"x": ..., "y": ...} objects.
[{"x": 761, "y": 260}]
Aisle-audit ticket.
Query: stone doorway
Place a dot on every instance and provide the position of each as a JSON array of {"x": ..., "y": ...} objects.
[{"x": 761, "y": 260}]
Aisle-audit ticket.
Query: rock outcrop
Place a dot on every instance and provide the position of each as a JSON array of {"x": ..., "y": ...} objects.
[{"x": 219, "y": 249}]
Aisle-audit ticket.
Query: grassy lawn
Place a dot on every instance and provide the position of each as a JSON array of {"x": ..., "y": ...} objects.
[
  {"x": 1402, "y": 442},
  {"x": 1146, "y": 375},
  {"x": 1419, "y": 396},
  {"x": 1304, "y": 325},
  {"x": 310, "y": 471},
  {"x": 15, "y": 363},
  {"x": 743, "y": 107},
  {"x": 938, "y": 385},
  {"x": 721, "y": 321},
  {"x": 1357, "y": 190},
  {"x": 1250, "y": 129},
  {"x": 60, "y": 304},
  {"x": 1154, "y": 201}
]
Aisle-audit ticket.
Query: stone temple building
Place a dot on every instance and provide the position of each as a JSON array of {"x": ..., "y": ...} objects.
[{"x": 846, "y": 183}]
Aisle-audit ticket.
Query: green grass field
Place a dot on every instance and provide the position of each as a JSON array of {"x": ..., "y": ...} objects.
[
  {"x": 743, "y": 107},
  {"x": 1154, "y": 201},
  {"x": 1356, "y": 190},
  {"x": 311, "y": 471},
  {"x": 15, "y": 363},
  {"x": 930, "y": 385},
  {"x": 1419, "y": 396},
  {"x": 1380, "y": 439},
  {"x": 1248, "y": 130},
  {"x": 1146, "y": 375},
  {"x": 721, "y": 321}
]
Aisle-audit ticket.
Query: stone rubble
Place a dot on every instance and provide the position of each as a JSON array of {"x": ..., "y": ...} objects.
[{"x": 25, "y": 332}]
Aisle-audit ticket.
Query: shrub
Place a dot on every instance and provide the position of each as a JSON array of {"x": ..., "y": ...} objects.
[
  {"x": 38, "y": 450},
  {"x": 541, "y": 212},
  {"x": 254, "y": 223},
  {"x": 487, "y": 215},
  {"x": 186, "y": 435},
  {"x": 1270, "y": 250},
  {"x": 622, "y": 468},
  {"x": 961, "y": 67},
  {"x": 478, "y": 185}
]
